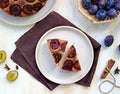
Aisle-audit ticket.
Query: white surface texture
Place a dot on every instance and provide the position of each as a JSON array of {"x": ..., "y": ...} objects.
[{"x": 26, "y": 84}]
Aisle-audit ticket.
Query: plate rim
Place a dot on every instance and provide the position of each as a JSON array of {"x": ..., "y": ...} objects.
[
  {"x": 26, "y": 24},
  {"x": 59, "y": 27}
]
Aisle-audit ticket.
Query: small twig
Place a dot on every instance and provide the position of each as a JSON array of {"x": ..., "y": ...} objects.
[
  {"x": 17, "y": 67},
  {"x": 7, "y": 67},
  {"x": 117, "y": 71}
]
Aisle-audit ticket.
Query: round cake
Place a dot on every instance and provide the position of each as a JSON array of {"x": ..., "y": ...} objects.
[{"x": 22, "y": 8}]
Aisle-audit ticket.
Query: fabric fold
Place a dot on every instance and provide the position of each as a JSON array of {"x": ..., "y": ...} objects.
[{"x": 24, "y": 55}]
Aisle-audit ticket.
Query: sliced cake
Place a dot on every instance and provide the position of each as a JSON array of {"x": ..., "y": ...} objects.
[
  {"x": 57, "y": 48},
  {"x": 71, "y": 62}
]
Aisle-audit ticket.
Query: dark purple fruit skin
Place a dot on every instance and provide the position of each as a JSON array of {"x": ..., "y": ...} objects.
[
  {"x": 119, "y": 47},
  {"x": 86, "y": 4},
  {"x": 112, "y": 13},
  {"x": 68, "y": 64},
  {"x": 117, "y": 5},
  {"x": 95, "y": 2},
  {"x": 101, "y": 14},
  {"x": 109, "y": 4},
  {"x": 101, "y": 3},
  {"x": 93, "y": 9},
  {"x": 102, "y": 9},
  {"x": 108, "y": 41},
  {"x": 15, "y": 10},
  {"x": 54, "y": 44}
]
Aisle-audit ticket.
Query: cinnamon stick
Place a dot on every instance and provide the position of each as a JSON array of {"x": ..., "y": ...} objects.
[{"x": 110, "y": 64}]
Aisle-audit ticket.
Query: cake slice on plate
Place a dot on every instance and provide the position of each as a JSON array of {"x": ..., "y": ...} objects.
[
  {"x": 57, "y": 48},
  {"x": 71, "y": 62}
]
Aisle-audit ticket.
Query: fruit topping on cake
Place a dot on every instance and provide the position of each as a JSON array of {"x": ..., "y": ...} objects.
[
  {"x": 57, "y": 48},
  {"x": 22, "y": 7},
  {"x": 71, "y": 62}
]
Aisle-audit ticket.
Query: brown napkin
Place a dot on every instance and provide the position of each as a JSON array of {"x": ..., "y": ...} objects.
[{"x": 24, "y": 55}]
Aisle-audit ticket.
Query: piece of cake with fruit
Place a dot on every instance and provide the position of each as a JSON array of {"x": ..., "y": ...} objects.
[
  {"x": 22, "y": 8},
  {"x": 57, "y": 48},
  {"x": 71, "y": 62}
]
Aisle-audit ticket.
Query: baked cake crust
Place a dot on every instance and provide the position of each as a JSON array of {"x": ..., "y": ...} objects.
[
  {"x": 22, "y": 8},
  {"x": 71, "y": 62},
  {"x": 57, "y": 48}
]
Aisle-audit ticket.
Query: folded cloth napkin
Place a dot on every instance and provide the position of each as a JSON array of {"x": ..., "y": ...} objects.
[{"x": 24, "y": 54}]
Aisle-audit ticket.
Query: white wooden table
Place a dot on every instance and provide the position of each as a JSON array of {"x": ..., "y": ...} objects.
[{"x": 26, "y": 84}]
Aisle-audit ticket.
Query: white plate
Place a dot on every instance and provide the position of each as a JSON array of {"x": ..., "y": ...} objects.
[
  {"x": 22, "y": 21},
  {"x": 46, "y": 62}
]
